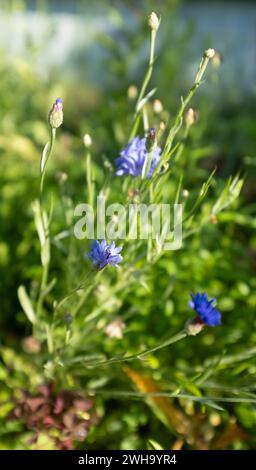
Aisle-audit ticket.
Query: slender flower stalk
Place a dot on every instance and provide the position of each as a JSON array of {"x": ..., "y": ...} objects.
[
  {"x": 141, "y": 355},
  {"x": 88, "y": 286},
  {"x": 45, "y": 157},
  {"x": 151, "y": 146},
  {"x": 89, "y": 177},
  {"x": 101, "y": 255},
  {"x": 191, "y": 117},
  {"x": 42, "y": 219},
  {"x": 154, "y": 23},
  {"x": 209, "y": 53},
  {"x": 55, "y": 120}
]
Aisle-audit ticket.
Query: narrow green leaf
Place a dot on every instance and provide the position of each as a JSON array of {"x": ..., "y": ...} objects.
[
  {"x": 26, "y": 304},
  {"x": 153, "y": 445},
  {"x": 145, "y": 100},
  {"x": 44, "y": 157}
]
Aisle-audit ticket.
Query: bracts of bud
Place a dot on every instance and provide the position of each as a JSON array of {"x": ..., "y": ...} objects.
[
  {"x": 208, "y": 55},
  {"x": 56, "y": 114},
  {"x": 194, "y": 326},
  {"x": 153, "y": 21},
  {"x": 87, "y": 140}
]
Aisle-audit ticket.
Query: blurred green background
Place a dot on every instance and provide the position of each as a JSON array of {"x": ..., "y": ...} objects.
[{"x": 90, "y": 53}]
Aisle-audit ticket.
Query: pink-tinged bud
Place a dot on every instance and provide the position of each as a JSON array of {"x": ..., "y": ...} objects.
[
  {"x": 56, "y": 114},
  {"x": 194, "y": 326}
]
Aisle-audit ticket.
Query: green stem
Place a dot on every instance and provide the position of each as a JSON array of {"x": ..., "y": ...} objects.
[
  {"x": 49, "y": 339},
  {"x": 43, "y": 285},
  {"x": 85, "y": 285},
  {"x": 49, "y": 152},
  {"x": 147, "y": 163},
  {"x": 89, "y": 178},
  {"x": 150, "y": 67},
  {"x": 137, "y": 115},
  {"x": 179, "y": 336},
  {"x": 45, "y": 221},
  {"x": 145, "y": 119},
  {"x": 83, "y": 299},
  {"x": 184, "y": 102}
]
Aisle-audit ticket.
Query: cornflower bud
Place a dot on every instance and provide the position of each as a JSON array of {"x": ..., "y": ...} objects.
[
  {"x": 151, "y": 139},
  {"x": 132, "y": 92},
  {"x": 157, "y": 106},
  {"x": 87, "y": 140},
  {"x": 210, "y": 53},
  {"x": 194, "y": 326},
  {"x": 153, "y": 21},
  {"x": 191, "y": 117},
  {"x": 56, "y": 114}
]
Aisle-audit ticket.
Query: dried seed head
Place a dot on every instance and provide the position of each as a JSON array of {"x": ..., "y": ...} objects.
[{"x": 153, "y": 21}]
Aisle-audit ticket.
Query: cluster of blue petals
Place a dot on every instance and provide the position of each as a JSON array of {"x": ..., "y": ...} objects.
[
  {"x": 133, "y": 156},
  {"x": 102, "y": 254},
  {"x": 205, "y": 308}
]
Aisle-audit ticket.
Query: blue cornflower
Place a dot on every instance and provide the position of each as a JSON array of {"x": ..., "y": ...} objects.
[
  {"x": 102, "y": 254},
  {"x": 205, "y": 309},
  {"x": 133, "y": 156}
]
